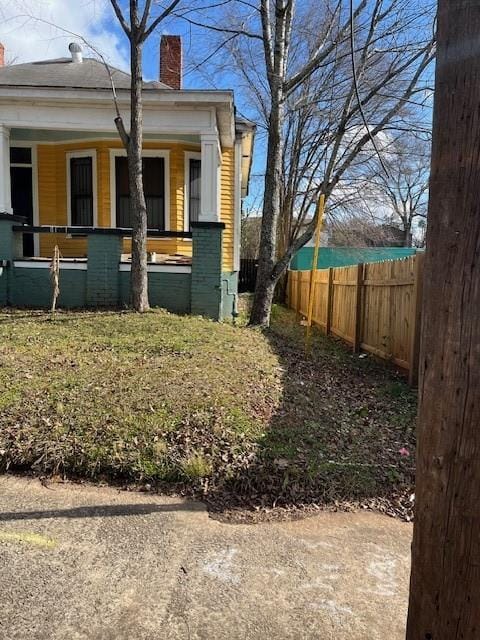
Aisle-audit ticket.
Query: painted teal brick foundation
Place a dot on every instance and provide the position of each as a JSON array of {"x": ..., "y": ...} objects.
[
  {"x": 102, "y": 281},
  {"x": 170, "y": 291},
  {"x": 103, "y": 278},
  {"x": 229, "y": 293},
  {"x": 206, "y": 291},
  {"x": 10, "y": 244},
  {"x": 33, "y": 288}
]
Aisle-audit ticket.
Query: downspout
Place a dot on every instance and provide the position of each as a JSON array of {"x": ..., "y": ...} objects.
[{"x": 233, "y": 294}]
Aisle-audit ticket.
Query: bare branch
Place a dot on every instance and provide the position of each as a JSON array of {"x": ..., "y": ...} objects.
[
  {"x": 121, "y": 18},
  {"x": 166, "y": 12},
  {"x": 145, "y": 16},
  {"x": 321, "y": 53}
]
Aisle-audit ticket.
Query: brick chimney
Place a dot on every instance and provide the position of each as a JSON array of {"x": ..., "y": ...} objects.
[
  {"x": 171, "y": 61},
  {"x": 2, "y": 55}
]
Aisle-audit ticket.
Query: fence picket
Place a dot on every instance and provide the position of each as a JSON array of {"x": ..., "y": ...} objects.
[{"x": 372, "y": 306}]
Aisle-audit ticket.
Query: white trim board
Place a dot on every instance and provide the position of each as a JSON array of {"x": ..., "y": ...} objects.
[
  {"x": 146, "y": 153},
  {"x": 160, "y": 268},
  {"x": 33, "y": 264},
  {"x": 188, "y": 155}
]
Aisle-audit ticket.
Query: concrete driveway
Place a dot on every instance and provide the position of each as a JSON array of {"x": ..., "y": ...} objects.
[{"x": 80, "y": 562}]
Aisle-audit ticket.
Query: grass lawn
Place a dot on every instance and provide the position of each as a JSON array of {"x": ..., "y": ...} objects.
[{"x": 239, "y": 415}]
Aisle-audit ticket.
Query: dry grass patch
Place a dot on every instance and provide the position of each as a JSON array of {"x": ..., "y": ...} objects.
[{"x": 242, "y": 416}]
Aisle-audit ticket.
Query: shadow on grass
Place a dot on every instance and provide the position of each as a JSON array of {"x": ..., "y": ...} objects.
[{"x": 337, "y": 434}]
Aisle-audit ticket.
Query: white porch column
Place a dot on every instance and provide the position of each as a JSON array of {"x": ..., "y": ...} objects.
[
  {"x": 210, "y": 178},
  {"x": 5, "y": 192}
]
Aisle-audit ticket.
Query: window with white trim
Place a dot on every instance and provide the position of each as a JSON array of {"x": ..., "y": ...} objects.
[
  {"x": 193, "y": 179},
  {"x": 82, "y": 188},
  {"x": 153, "y": 170},
  {"x": 195, "y": 175},
  {"x": 81, "y": 191}
]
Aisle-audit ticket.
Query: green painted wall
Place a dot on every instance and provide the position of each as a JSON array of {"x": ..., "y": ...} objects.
[
  {"x": 103, "y": 278},
  {"x": 6, "y": 253},
  {"x": 229, "y": 290},
  {"x": 170, "y": 291},
  {"x": 33, "y": 288},
  {"x": 346, "y": 256},
  {"x": 206, "y": 292}
]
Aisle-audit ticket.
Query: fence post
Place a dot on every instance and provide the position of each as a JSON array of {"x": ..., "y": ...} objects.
[
  {"x": 289, "y": 289},
  {"x": 357, "y": 336},
  {"x": 415, "y": 319},
  {"x": 299, "y": 293},
  {"x": 328, "y": 322}
]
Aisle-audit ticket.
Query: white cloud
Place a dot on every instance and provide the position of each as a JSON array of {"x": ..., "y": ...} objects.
[{"x": 28, "y": 31}]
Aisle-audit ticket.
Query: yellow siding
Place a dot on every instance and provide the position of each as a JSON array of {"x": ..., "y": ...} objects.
[
  {"x": 227, "y": 206},
  {"x": 52, "y": 171}
]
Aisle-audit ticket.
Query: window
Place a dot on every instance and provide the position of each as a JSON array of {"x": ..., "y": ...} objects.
[
  {"x": 82, "y": 188},
  {"x": 153, "y": 169},
  {"x": 22, "y": 183},
  {"x": 21, "y": 155},
  {"x": 194, "y": 190},
  {"x": 81, "y": 191}
]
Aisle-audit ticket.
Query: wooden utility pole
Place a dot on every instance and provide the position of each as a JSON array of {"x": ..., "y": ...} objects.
[{"x": 445, "y": 580}]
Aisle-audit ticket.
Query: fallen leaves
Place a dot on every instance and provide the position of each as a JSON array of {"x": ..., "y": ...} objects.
[{"x": 243, "y": 418}]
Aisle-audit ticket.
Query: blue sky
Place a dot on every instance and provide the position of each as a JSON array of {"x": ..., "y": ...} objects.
[{"x": 27, "y": 30}]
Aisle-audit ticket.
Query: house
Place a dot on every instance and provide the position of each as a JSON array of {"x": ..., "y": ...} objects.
[{"x": 64, "y": 174}]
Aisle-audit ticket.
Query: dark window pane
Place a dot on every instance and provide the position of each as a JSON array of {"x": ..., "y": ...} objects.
[
  {"x": 153, "y": 170},
  {"x": 121, "y": 176},
  {"x": 194, "y": 190},
  {"x": 20, "y": 155},
  {"x": 123, "y": 212},
  {"x": 81, "y": 189}
]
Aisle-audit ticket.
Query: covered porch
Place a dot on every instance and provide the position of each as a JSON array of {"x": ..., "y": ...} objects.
[{"x": 80, "y": 179}]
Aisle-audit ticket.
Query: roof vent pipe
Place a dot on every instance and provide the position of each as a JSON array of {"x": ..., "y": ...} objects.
[{"x": 76, "y": 51}]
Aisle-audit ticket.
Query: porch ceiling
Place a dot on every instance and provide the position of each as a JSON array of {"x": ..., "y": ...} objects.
[{"x": 51, "y": 135}]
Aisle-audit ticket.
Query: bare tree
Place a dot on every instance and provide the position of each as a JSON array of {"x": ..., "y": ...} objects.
[
  {"x": 403, "y": 191},
  {"x": 445, "y": 580},
  {"x": 138, "y": 27},
  {"x": 375, "y": 207},
  {"x": 250, "y": 238},
  {"x": 327, "y": 79}
]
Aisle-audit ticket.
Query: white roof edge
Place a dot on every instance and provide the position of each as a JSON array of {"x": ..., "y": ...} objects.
[
  {"x": 221, "y": 101},
  {"x": 163, "y": 96}
]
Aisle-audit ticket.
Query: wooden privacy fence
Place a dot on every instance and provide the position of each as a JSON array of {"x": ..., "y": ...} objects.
[{"x": 374, "y": 306}]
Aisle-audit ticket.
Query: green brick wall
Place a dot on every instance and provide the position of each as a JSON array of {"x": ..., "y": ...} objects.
[
  {"x": 32, "y": 287},
  {"x": 206, "y": 294},
  {"x": 205, "y": 291},
  {"x": 6, "y": 253},
  {"x": 170, "y": 291},
  {"x": 229, "y": 291},
  {"x": 103, "y": 278}
]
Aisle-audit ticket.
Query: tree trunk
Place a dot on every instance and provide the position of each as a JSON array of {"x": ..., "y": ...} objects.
[
  {"x": 138, "y": 209},
  {"x": 265, "y": 286},
  {"x": 445, "y": 579}
]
